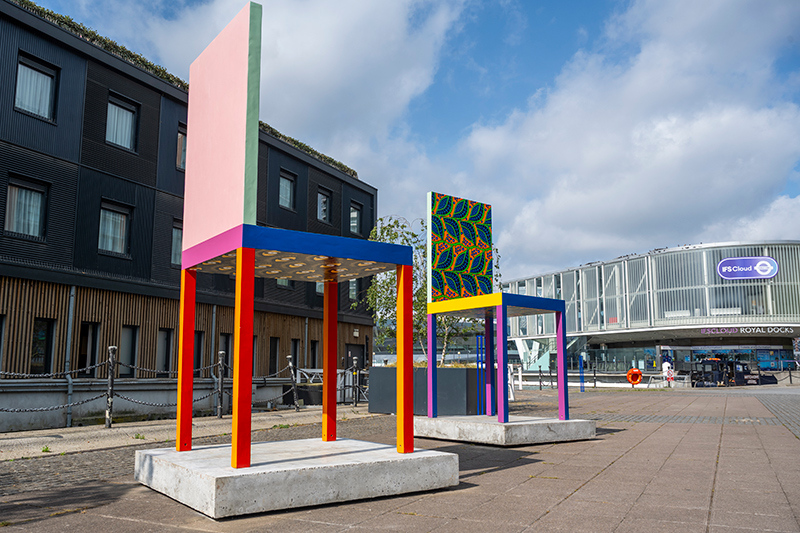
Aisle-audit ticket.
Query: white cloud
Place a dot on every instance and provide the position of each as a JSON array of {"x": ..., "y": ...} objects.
[
  {"x": 329, "y": 69},
  {"x": 337, "y": 75},
  {"x": 673, "y": 132},
  {"x": 779, "y": 221}
]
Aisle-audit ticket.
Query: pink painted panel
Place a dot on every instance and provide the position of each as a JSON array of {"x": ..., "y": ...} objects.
[
  {"x": 215, "y": 246},
  {"x": 216, "y": 134}
]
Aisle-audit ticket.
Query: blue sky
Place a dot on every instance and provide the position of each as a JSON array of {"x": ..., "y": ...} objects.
[
  {"x": 595, "y": 128},
  {"x": 503, "y": 54}
]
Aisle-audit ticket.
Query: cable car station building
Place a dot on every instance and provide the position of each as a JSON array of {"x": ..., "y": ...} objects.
[{"x": 737, "y": 300}]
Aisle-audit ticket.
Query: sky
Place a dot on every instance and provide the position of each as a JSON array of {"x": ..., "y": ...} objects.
[{"x": 595, "y": 128}]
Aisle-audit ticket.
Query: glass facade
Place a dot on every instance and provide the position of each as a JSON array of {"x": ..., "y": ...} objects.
[
  {"x": 672, "y": 288},
  {"x": 678, "y": 289}
]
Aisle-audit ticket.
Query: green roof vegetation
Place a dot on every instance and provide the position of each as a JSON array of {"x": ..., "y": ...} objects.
[
  {"x": 303, "y": 147},
  {"x": 112, "y": 47}
]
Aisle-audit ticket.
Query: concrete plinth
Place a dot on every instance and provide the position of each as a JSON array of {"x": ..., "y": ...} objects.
[
  {"x": 291, "y": 474},
  {"x": 517, "y": 431}
]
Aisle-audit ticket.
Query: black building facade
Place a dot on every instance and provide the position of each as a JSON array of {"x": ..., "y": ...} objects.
[{"x": 92, "y": 151}]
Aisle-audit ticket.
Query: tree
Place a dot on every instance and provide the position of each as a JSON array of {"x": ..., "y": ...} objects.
[{"x": 382, "y": 294}]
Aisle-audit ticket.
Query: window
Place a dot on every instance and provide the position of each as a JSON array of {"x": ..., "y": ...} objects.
[
  {"x": 353, "y": 289},
  {"x": 285, "y": 283},
  {"x": 324, "y": 206},
  {"x": 226, "y": 345},
  {"x": 180, "y": 163},
  {"x": 177, "y": 242},
  {"x": 42, "y": 346},
  {"x": 320, "y": 287},
  {"x": 25, "y": 206},
  {"x": 295, "y": 353},
  {"x": 286, "y": 196},
  {"x": 313, "y": 354},
  {"x": 163, "y": 353},
  {"x": 114, "y": 222},
  {"x": 121, "y": 123},
  {"x": 255, "y": 354},
  {"x": 126, "y": 353},
  {"x": 355, "y": 219},
  {"x": 199, "y": 336},
  {"x": 87, "y": 348},
  {"x": 36, "y": 89},
  {"x": 2, "y": 337},
  {"x": 274, "y": 350}
]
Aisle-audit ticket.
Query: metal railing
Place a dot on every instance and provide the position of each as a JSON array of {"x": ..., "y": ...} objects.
[
  {"x": 112, "y": 364},
  {"x": 219, "y": 368}
]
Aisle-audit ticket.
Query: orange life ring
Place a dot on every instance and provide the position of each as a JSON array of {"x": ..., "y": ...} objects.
[{"x": 634, "y": 376}]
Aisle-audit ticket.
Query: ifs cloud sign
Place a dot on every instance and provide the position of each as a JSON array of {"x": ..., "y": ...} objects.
[{"x": 747, "y": 268}]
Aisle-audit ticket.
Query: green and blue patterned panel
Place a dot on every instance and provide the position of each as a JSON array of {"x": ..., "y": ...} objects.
[{"x": 460, "y": 248}]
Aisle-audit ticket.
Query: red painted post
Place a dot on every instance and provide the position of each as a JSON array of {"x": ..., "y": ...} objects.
[
  {"x": 186, "y": 360},
  {"x": 330, "y": 344},
  {"x": 243, "y": 359}
]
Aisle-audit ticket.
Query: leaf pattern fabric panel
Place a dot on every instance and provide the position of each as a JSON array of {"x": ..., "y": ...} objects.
[{"x": 461, "y": 248}]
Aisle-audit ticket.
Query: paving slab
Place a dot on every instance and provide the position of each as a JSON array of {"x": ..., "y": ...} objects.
[{"x": 658, "y": 462}]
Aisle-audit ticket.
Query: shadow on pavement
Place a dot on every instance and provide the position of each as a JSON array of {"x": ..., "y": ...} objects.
[{"x": 31, "y": 507}]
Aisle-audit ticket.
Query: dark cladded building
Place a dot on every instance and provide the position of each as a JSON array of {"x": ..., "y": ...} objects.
[{"x": 92, "y": 151}]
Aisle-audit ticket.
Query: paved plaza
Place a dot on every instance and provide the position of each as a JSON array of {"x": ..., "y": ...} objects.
[{"x": 712, "y": 460}]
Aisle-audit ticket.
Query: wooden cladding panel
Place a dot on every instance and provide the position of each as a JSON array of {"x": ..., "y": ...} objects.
[
  {"x": 22, "y": 301},
  {"x": 113, "y": 310}
]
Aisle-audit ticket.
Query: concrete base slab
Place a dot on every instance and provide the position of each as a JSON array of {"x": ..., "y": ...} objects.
[
  {"x": 517, "y": 431},
  {"x": 291, "y": 474}
]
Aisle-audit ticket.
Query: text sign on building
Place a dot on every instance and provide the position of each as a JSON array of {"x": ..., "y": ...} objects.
[{"x": 747, "y": 268}]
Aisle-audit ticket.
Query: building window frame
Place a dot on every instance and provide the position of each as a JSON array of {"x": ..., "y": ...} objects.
[
  {"x": 42, "y": 346},
  {"x": 114, "y": 210},
  {"x": 180, "y": 159},
  {"x": 113, "y": 136},
  {"x": 2, "y": 339},
  {"x": 29, "y": 186},
  {"x": 199, "y": 340},
  {"x": 38, "y": 66},
  {"x": 88, "y": 343},
  {"x": 313, "y": 354},
  {"x": 324, "y": 205},
  {"x": 176, "y": 247},
  {"x": 274, "y": 355},
  {"x": 128, "y": 350},
  {"x": 226, "y": 345},
  {"x": 287, "y": 191},
  {"x": 164, "y": 350},
  {"x": 356, "y": 218},
  {"x": 352, "y": 289},
  {"x": 294, "y": 353}
]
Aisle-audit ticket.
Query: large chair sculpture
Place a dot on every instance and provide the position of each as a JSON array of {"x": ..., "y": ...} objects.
[
  {"x": 460, "y": 283},
  {"x": 221, "y": 236}
]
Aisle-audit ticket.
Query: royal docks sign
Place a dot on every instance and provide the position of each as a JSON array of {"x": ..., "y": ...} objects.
[
  {"x": 747, "y": 268},
  {"x": 748, "y": 330}
]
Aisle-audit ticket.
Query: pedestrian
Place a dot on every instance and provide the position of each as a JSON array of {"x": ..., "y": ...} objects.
[{"x": 666, "y": 372}]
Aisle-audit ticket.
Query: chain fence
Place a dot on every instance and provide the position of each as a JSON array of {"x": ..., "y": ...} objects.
[
  {"x": 151, "y": 370},
  {"x": 154, "y": 404},
  {"x": 53, "y": 374},
  {"x": 52, "y": 407},
  {"x": 219, "y": 390}
]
